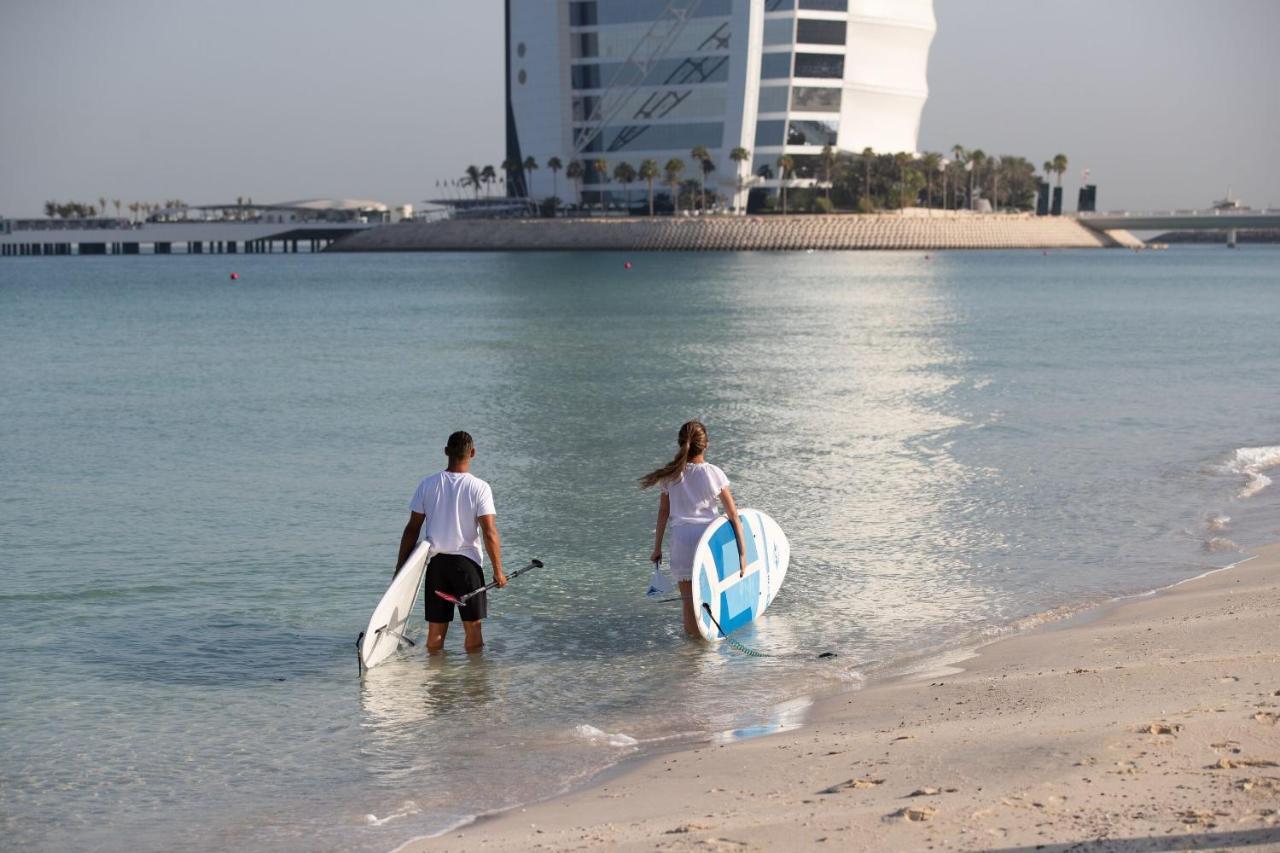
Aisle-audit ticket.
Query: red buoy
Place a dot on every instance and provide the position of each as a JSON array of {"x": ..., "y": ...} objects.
[
  {"x": 235, "y": 276},
  {"x": 627, "y": 265}
]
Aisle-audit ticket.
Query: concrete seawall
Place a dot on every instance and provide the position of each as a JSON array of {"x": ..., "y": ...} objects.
[{"x": 734, "y": 233}]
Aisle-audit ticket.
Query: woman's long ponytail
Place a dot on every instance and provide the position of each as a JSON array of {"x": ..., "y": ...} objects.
[{"x": 693, "y": 440}]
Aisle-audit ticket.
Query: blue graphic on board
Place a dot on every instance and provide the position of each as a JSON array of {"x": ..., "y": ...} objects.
[{"x": 736, "y": 601}]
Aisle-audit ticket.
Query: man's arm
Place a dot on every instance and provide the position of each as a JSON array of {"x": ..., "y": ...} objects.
[
  {"x": 493, "y": 547},
  {"x": 409, "y": 538}
]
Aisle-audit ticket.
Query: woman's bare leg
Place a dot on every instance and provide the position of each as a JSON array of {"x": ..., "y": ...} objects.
[{"x": 686, "y": 603}]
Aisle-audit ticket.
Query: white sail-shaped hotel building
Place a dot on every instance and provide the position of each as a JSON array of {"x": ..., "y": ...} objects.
[{"x": 630, "y": 80}]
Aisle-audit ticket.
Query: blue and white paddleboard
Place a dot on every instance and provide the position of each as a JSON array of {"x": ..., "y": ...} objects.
[{"x": 736, "y": 601}]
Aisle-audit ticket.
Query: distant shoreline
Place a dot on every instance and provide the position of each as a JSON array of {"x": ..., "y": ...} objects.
[{"x": 918, "y": 230}]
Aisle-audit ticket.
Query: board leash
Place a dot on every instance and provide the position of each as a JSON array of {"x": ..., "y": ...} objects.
[{"x": 750, "y": 652}]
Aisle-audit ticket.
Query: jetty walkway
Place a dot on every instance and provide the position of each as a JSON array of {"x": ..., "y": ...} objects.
[{"x": 739, "y": 233}]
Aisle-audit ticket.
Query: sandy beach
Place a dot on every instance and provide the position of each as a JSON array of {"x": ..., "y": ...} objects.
[{"x": 1146, "y": 724}]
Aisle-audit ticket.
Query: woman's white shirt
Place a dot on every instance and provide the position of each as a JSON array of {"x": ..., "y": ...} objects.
[{"x": 695, "y": 493}]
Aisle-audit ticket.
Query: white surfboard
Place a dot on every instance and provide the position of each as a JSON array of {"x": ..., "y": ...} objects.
[
  {"x": 391, "y": 617},
  {"x": 736, "y": 601}
]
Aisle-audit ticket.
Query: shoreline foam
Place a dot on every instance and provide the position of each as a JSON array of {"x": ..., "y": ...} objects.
[{"x": 994, "y": 783}]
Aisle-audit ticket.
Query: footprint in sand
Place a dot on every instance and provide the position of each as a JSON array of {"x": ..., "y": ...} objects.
[
  {"x": 929, "y": 791},
  {"x": 913, "y": 813},
  {"x": 1233, "y": 763},
  {"x": 852, "y": 783},
  {"x": 1160, "y": 728},
  {"x": 1268, "y": 717},
  {"x": 1259, "y": 785}
]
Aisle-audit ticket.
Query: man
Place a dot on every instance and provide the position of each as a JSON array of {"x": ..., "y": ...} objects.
[{"x": 458, "y": 510}]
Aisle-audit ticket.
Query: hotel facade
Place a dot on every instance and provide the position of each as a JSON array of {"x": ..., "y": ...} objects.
[{"x": 630, "y": 80}]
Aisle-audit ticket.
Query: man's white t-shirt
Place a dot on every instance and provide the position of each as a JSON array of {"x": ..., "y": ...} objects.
[
  {"x": 453, "y": 503},
  {"x": 694, "y": 493}
]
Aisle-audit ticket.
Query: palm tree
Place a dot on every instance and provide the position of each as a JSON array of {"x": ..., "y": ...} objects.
[
  {"x": 601, "y": 167},
  {"x": 994, "y": 166},
  {"x": 530, "y": 166},
  {"x": 1060, "y": 166},
  {"x": 739, "y": 156},
  {"x": 786, "y": 165},
  {"x": 510, "y": 167},
  {"x": 488, "y": 175},
  {"x": 674, "y": 168},
  {"x": 702, "y": 157},
  {"x": 932, "y": 163},
  {"x": 574, "y": 172},
  {"x": 116, "y": 203},
  {"x": 473, "y": 179},
  {"x": 959, "y": 159},
  {"x": 624, "y": 173},
  {"x": 867, "y": 157},
  {"x": 555, "y": 166},
  {"x": 51, "y": 209},
  {"x": 649, "y": 172},
  {"x": 102, "y": 206},
  {"x": 976, "y": 158},
  {"x": 828, "y": 159}
]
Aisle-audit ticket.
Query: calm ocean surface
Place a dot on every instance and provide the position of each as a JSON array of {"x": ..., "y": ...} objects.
[{"x": 204, "y": 484}]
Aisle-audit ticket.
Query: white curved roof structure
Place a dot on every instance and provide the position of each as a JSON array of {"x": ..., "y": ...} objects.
[{"x": 351, "y": 204}]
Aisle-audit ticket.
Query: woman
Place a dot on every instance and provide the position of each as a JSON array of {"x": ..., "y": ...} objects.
[{"x": 690, "y": 488}]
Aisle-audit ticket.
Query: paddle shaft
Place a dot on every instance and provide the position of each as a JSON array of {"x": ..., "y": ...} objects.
[{"x": 533, "y": 564}]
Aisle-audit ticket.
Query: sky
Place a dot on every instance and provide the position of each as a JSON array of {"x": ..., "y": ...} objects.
[{"x": 1168, "y": 103}]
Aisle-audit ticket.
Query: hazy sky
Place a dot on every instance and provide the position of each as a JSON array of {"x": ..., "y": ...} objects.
[{"x": 1168, "y": 102}]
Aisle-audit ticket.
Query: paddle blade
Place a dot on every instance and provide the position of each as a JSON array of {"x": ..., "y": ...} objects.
[{"x": 447, "y": 597}]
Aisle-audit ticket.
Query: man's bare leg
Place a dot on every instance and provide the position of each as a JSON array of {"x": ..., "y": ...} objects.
[
  {"x": 475, "y": 638},
  {"x": 435, "y": 636},
  {"x": 686, "y": 603}
]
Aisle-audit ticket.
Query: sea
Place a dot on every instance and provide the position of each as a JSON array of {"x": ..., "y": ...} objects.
[{"x": 205, "y": 482}]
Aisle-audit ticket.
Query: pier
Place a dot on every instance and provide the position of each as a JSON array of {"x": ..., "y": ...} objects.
[{"x": 291, "y": 227}]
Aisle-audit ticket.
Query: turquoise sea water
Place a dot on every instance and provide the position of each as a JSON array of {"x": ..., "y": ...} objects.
[{"x": 205, "y": 482}]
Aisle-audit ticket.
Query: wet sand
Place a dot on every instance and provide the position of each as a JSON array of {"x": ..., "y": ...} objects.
[{"x": 1149, "y": 724}]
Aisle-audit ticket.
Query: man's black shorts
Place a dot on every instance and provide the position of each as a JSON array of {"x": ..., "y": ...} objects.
[{"x": 456, "y": 575}]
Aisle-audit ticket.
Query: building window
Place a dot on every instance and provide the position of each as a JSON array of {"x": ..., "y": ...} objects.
[
  {"x": 774, "y": 66},
  {"x": 820, "y": 32},
  {"x": 583, "y": 107},
  {"x": 819, "y": 65},
  {"x": 582, "y": 14},
  {"x": 809, "y": 132},
  {"x": 586, "y": 76},
  {"x": 779, "y": 5},
  {"x": 815, "y": 100},
  {"x": 770, "y": 133},
  {"x": 773, "y": 99},
  {"x": 632, "y": 11},
  {"x": 825, "y": 5},
  {"x": 778, "y": 31},
  {"x": 658, "y": 137},
  {"x": 585, "y": 45}
]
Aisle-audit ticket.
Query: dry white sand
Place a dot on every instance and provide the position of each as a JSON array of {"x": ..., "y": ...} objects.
[{"x": 1152, "y": 725}]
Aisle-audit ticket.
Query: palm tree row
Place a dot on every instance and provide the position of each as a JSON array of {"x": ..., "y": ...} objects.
[
  {"x": 81, "y": 210},
  {"x": 623, "y": 173}
]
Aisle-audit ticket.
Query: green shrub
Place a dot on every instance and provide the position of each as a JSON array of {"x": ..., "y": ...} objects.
[{"x": 821, "y": 204}]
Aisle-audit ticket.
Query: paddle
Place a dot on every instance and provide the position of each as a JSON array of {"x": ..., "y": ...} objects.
[{"x": 463, "y": 599}]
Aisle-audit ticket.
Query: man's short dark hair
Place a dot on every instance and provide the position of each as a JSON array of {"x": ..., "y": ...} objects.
[{"x": 459, "y": 446}]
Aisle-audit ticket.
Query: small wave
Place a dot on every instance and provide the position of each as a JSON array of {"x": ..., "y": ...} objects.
[
  {"x": 1220, "y": 543},
  {"x": 407, "y": 809},
  {"x": 591, "y": 733},
  {"x": 1217, "y": 522},
  {"x": 1251, "y": 462}
]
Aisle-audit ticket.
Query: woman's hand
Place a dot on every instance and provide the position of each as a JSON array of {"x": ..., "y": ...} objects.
[{"x": 656, "y": 556}]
